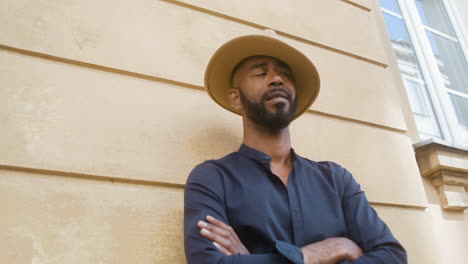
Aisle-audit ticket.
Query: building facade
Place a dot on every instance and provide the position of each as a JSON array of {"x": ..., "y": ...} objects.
[{"x": 103, "y": 114}]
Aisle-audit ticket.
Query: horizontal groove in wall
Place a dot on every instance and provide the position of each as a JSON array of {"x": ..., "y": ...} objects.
[
  {"x": 98, "y": 67},
  {"x": 357, "y": 5},
  {"x": 402, "y": 206},
  {"x": 352, "y": 120},
  {"x": 279, "y": 32},
  {"x": 383, "y": 65},
  {"x": 150, "y": 183},
  {"x": 91, "y": 177},
  {"x": 172, "y": 82}
]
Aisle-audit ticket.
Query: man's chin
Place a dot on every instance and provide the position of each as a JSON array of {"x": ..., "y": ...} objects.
[
  {"x": 280, "y": 119},
  {"x": 278, "y": 108}
]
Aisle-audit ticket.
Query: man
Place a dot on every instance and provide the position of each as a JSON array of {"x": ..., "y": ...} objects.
[{"x": 264, "y": 203}]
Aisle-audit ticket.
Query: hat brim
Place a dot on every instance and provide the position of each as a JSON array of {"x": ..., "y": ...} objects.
[{"x": 228, "y": 56}]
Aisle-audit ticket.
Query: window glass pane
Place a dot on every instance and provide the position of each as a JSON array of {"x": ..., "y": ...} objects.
[
  {"x": 451, "y": 62},
  {"x": 416, "y": 96},
  {"x": 391, "y": 5},
  {"x": 397, "y": 30},
  {"x": 422, "y": 108},
  {"x": 413, "y": 79},
  {"x": 433, "y": 14},
  {"x": 461, "y": 108},
  {"x": 400, "y": 40}
]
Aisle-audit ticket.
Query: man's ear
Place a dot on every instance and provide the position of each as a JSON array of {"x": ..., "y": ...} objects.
[{"x": 234, "y": 98}]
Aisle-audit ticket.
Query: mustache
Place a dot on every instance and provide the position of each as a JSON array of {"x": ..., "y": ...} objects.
[{"x": 277, "y": 89}]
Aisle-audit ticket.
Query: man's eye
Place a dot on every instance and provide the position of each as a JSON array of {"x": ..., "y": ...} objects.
[
  {"x": 285, "y": 74},
  {"x": 260, "y": 74}
]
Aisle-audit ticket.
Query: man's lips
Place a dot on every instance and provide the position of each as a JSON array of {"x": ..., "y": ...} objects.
[
  {"x": 277, "y": 95},
  {"x": 276, "y": 100}
]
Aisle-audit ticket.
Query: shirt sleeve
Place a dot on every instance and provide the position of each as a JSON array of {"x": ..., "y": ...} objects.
[
  {"x": 204, "y": 195},
  {"x": 366, "y": 228}
]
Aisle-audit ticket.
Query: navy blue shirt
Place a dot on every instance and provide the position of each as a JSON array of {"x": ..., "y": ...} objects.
[{"x": 322, "y": 200}]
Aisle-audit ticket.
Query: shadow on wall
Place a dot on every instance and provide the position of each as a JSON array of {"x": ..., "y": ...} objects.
[{"x": 213, "y": 142}]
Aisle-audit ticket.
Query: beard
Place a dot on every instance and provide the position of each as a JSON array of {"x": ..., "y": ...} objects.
[{"x": 271, "y": 121}]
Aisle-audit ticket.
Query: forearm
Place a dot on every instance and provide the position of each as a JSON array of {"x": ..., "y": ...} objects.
[
  {"x": 330, "y": 251},
  {"x": 390, "y": 253}
]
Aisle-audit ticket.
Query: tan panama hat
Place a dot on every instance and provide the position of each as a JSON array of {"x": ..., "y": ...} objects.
[{"x": 228, "y": 56}]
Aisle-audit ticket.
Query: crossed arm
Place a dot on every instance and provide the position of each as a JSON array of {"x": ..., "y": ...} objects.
[{"x": 328, "y": 251}]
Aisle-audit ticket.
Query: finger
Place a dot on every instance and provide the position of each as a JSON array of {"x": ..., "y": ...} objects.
[
  {"x": 215, "y": 238},
  {"x": 218, "y": 230},
  {"x": 212, "y": 228},
  {"x": 222, "y": 249},
  {"x": 217, "y": 222},
  {"x": 222, "y": 225},
  {"x": 201, "y": 224},
  {"x": 223, "y": 237}
]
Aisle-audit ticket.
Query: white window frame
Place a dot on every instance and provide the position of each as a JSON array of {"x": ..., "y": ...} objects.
[{"x": 438, "y": 93}]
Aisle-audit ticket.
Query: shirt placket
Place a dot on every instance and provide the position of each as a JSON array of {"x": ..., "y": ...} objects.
[
  {"x": 293, "y": 199},
  {"x": 296, "y": 213}
]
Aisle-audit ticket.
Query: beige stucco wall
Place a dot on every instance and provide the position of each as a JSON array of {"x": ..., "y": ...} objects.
[{"x": 103, "y": 115}]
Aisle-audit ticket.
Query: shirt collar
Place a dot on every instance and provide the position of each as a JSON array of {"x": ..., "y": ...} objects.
[{"x": 258, "y": 155}]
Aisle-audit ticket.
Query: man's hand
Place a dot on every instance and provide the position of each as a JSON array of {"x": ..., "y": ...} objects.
[
  {"x": 331, "y": 251},
  {"x": 222, "y": 235}
]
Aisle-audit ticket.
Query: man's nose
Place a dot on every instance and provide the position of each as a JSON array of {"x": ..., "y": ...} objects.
[{"x": 276, "y": 79}]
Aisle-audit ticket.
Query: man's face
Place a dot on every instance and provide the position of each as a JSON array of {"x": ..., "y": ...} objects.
[{"x": 267, "y": 91}]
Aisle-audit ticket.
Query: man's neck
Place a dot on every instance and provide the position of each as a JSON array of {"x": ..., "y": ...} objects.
[{"x": 276, "y": 144}]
